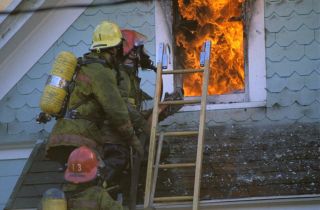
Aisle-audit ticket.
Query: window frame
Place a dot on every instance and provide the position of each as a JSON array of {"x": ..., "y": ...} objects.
[{"x": 255, "y": 71}]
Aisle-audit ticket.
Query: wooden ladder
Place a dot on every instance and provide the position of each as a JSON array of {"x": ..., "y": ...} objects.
[{"x": 153, "y": 165}]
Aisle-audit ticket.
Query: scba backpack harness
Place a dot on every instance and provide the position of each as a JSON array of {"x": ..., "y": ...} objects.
[{"x": 60, "y": 84}]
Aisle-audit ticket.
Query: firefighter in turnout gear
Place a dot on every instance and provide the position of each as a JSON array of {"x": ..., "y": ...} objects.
[
  {"x": 134, "y": 58},
  {"x": 129, "y": 86},
  {"x": 130, "y": 91},
  {"x": 96, "y": 115},
  {"x": 84, "y": 190}
]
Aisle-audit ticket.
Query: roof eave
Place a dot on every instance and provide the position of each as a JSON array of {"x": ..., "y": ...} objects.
[
  {"x": 32, "y": 39},
  {"x": 253, "y": 203}
]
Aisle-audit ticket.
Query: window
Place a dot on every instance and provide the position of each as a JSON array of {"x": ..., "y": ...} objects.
[{"x": 252, "y": 93}]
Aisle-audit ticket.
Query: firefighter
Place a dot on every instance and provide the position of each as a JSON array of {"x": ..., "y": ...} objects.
[
  {"x": 135, "y": 57},
  {"x": 84, "y": 190},
  {"x": 96, "y": 115},
  {"x": 129, "y": 86},
  {"x": 130, "y": 91}
]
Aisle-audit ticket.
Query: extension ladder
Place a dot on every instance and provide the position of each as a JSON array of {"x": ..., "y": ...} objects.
[{"x": 153, "y": 165}]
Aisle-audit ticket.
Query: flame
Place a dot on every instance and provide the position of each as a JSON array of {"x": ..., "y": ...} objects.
[{"x": 218, "y": 21}]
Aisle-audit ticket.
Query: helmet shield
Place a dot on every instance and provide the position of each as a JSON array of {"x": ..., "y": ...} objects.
[
  {"x": 132, "y": 39},
  {"x": 82, "y": 166}
]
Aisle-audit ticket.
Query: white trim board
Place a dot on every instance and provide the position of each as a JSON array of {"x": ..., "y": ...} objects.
[
  {"x": 12, "y": 24},
  {"x": 12, "y": 154},
  {"x": 12, "y": 5},
  {"x": 39, "y": 33},
  {"x": 163, "y": 36}
]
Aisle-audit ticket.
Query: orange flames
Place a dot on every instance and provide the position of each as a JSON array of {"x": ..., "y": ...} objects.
[{"x": 219, "y": 21}]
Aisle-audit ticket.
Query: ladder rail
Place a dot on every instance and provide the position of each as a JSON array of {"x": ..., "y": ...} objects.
[
  {"x": 153, "y": 131},
  {"x": 156, "y": 168},
  {"x": 202, "y": 122}
]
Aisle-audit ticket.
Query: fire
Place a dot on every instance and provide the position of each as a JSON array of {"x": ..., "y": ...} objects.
[{"x": 219, "y": 21}]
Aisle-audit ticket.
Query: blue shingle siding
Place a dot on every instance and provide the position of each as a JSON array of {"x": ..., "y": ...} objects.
[
  {"x": 18, "y": 109},
  {"x": 287, "y": 7},
  {"x": 293, "y": 60}
]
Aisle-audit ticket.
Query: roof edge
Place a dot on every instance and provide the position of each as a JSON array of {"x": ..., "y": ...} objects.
[
  {"x": 27, "y": 166},
  {"x": 311, "y": 202}
]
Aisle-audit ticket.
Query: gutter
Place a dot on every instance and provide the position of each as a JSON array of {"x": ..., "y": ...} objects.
[{"x": 294, "y": 202}]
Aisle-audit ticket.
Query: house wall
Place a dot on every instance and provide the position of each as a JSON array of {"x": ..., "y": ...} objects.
[{"x": 293, "y": 70}]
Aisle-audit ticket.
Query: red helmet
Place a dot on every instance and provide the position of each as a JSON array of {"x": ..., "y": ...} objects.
[
  {"x": 82, "y": 165},
  {"x": 132, "y": 38}
]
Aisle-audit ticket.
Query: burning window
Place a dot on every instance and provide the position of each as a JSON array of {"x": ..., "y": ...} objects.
[
  {"x": 236, "y": 30},
  {"x": 221, "y": 22}
]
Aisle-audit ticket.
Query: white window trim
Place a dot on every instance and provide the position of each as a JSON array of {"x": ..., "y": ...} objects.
[{"x": 256, "y": 61}]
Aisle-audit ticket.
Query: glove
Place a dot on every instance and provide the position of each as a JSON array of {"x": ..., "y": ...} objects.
[
  {"x": 43, "y": 118},
  {"x": 136, "y": 144}
]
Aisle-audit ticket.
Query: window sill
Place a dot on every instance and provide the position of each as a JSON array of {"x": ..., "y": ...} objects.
[{"x": 241, "y": 105}]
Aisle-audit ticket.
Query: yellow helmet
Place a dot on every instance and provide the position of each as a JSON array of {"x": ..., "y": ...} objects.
[{"x": 106, "y": 35}]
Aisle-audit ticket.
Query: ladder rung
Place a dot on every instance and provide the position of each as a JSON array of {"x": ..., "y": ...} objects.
[
  {"x": 177, "y": 165},
  {"x": 182, "y": 71},
  {"x": 180, "y": 133},
  {"x": 173, "y": 198},
  {"x": 178, "y": 102}
]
